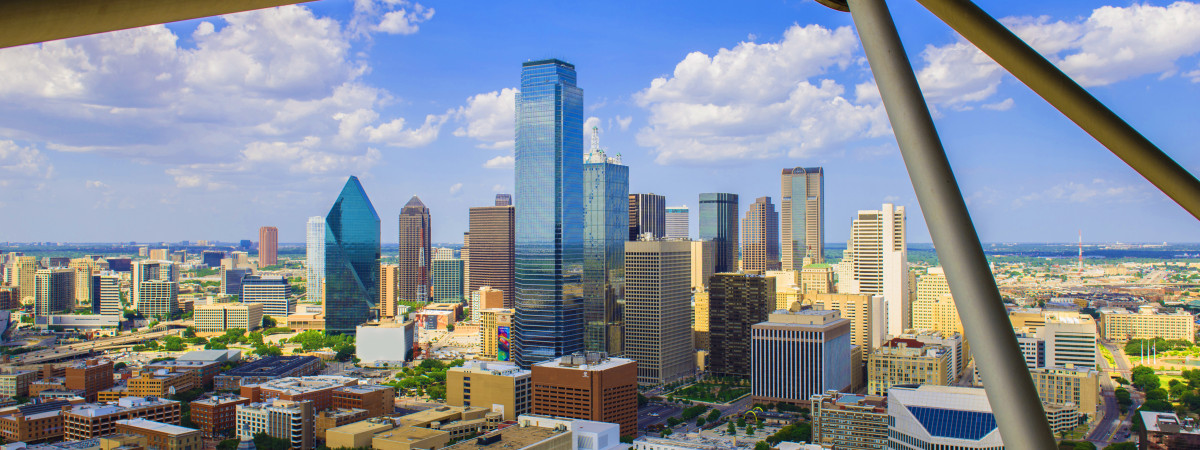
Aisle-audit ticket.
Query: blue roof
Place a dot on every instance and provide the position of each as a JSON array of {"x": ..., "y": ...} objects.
[{"x": 955, "y": 424}]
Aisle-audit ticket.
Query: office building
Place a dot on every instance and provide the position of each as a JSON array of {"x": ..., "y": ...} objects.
[
  {"x": 817, "y": 279},
  {"x": 1070, "y": 339},
  {"x": 848, "y": 421},
  {"x": 283, "y": 419},
  {"x": 270, "y": 291},
  {"x": 735, "y": 303},
  {"x": 24, "y": 274},
  {"x": 495, "y": 332},
  {"x": 227, "y": 316},
  {"x": 678, "y": 226},
  {"x": 944, "y": 417},
  {"x": 157, "y": 254},
  {"x": 760, "y": 236},
  {"x": 314, "y": 262},
  {"x": 866, "y": 313},
  {"x": 902, "y": 361},
  {"x": 268, "y": 246},
  {"x": 93, "y": 420},
  {"x": 351, "y": 260},
  {"x": 161, "y": 436},
  {"x": 1121, "y": 326},
  {"x": 719, "y": 224},
  {"x": 658, "y": 316},
  {"x": 16, "y": 383},
  {"x": 647, "y": 215},
  {"x": 704, "y": 263},
  {"x": 500, "y": 387},
  {"x": 231, "y": 280},
  {"x": 84, "y": 268},
  {"x": 316, "y": 389},
  {"x": 266, "y": 369},
  {"x": 876, "y": 259},
  {"x": 799, "y": 353},
  {"x": 415, "y": 252},
  {"x": 106, "y": 294},
  {"x": 158, "y": 298},
  {"x": 1077, "y": 388},
  {"x": 377, "y": 400},
  {"x": 605, "y": 230},
  {"x": 485, "y": 298},
  {"x": 33, "y": 422},
  {"x": 700, "y": 324},
  {"x": 489, "y": 259},
  {"x": 212, "y": 258},
  {"x": 389, "y": 279},
  {"x": 549, "y": 215},
  {"x": 447, "y": 280},
  {"x": 55, "y": 290},
  {"x": 1166, "y": 430},
  {"x": 386, "y": 342},
  {"x": 589, "y": 386},
  {"x": 443, "y": 253},
  {"x": 934, "y": 308},
  {"x": 802, "y": 205}
]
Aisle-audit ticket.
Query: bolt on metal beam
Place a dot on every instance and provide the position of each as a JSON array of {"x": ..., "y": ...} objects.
[{"x": 1010, "y": 390}]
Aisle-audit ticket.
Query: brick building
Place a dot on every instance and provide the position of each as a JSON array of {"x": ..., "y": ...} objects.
[{"x": 589, "y": 386}]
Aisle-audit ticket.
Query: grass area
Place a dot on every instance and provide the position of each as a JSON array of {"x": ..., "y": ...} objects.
[
  {"x": 710, "y": 392},
  {"x": 1108, "y": 356}
]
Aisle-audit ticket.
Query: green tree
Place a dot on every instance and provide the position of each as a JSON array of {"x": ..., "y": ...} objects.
[
  {"x": 731, "y": 429},
  {"x": 228, "y": 444},
  {"x": 189, "y": 332},
  {"x": 263, "y": 441},
  {"x": 714, "y": 415},
  {"x": 173, "y": 343},
  {"x": 1121, "y": 446},
  {"x": 762, "y": 445}
]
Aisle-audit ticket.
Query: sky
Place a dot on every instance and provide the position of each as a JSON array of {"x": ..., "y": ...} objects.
[{"x": 211, "y": 128}]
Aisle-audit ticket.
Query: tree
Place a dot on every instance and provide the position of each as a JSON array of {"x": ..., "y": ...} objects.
[
  {"x": 189, "y": 332},
  {"x": 269, "y": 322},
  {"x": 228, "y": 444},
  {"x": 642, "y": 400},
  {"x": 762, "y": 445},
  {"x": 741, "y": 422},
  {"x": 1121, "y": 446},
  {"x": 263, "y": 441},
  {"x": 173, "y": 343},
  {"x": 120, "y": 366},
  {"x": 731, "y": 429},
  {"x": 714, "y": 415}
]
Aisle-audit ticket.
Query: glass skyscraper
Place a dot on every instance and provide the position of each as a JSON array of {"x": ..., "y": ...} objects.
[
  {"x": 351, "y": 260},
  {"x": 718, "y": 223},
  {"x": 315, "y": 248},
  {"x": 549, "y": 213},
  {"x": 803, "y": 212},
  {"x": 605, "y": 231}
]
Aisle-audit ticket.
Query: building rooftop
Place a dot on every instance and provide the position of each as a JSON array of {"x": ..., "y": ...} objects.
[
  {"x": 513, "y": 437},
  {"x": 211, "y": 355},
  {"x": 124, "y": 404},
  {"x": 374, "y": 425},
  {"x": 363, "y": 388},
  {"x": 272, "y": 366},
  {"x": 408, "y": 435},
  {"x": 219, "y": 399},
  {"x": 1163, "y": 422},
  {"x": 586, "y": 361},
  {"x": 488, "y": 367},
  {"x": 798, "y": 315},
  {"x": 166, "y": 428},
  {"x": 440, "y": 414},
  {"x": 300, "y": 385},
  {"x": 67, "y": 445}
]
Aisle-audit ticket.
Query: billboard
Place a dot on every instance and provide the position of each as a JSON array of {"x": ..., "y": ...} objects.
[{"x": 502, "y": 343}]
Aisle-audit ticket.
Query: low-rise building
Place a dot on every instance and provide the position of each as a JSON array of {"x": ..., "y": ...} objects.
[
  {"x": 1074, "y": 387},
  {"x": 1121, "y": 325},
  {"x": 589, "y": 386},
  {"x": 585, "y": 434},
  {"x": 225, "y": 316},
  {"x": 94, "y": 420},
  {"x": 16, "y": 383},
  {"x": 495, "y": 329},
  {"x": 161, "y": 436},
  {"x": 217, "y": 415},
  {"x": 520, "y": 438},
  {"x": 1164, "y": 431},
  {"x": 316, "y": 389},
  {"x": 903, "y": 361},
  {"x": 385, "y": 343},
  {"x": 502, "y": 387},
  {"x": 849, "y": 422},
  {"x": 357, "y": 434},
  {"x": 33, "y": 422},
  {"x": 267, "y": 369},
  {"x": 377, "y": 400},
  {"x": 336, "y": 417},
  {"x": 306, "y": 322},
  {"x": 283, "y": 419},
  {"x": 410, "y": 438},
  {"x": 206, "y": 371},
  {"x": 927, "y": 417}
]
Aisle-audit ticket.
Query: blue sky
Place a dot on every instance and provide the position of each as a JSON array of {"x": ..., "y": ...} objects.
[{"x": 208, "y": 129}]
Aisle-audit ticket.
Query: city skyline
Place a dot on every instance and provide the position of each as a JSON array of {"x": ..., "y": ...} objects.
[{"x": 371, "y": 114}]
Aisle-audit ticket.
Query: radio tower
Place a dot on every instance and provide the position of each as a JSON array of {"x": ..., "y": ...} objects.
[{"x": 1081, "y": 253}]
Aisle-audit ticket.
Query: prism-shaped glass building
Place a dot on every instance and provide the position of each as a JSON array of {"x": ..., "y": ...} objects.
[{"x": 351, "y": 260}]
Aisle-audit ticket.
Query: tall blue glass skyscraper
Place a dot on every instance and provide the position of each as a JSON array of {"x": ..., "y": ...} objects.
[
  {"x": 549, "y": 213},
  {"x": 351, "y": 260},
  {"x": 605, "y": 230},
  {"x": 718, "y": 223}
]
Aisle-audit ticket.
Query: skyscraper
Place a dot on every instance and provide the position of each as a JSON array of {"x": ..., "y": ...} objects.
[
  {"x": 55, "y": 291},
  {"x": 503, "y": 200},
  {"x": 760, "y": 236},
  {"x": 415, "y": 251},
  {"x": 351, "y": 260},
  {"x": 549, "y": 214},
  {"x": 658, "y": 297},
  {"x": 678, "y": 226},
  {"x": 489, "y": 261},
  {"x": 315, "y": 261},
  {"x": 388, "y": 273},
  {"x": 735, "y": 303},
  {"x": 647, "y": 214},
  {"x": 877, "y": 261},
  {"x": 803, "y": 208},
  {"x": 606, "y": 228},
  {"x": 268, "y": 246},
  {"x": 447, "y": 284},
  {"x": 106, "y": 294},
  {"x": 718, "y": 223}
]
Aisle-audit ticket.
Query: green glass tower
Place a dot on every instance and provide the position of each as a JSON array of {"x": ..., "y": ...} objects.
[{"x": 351, "y": 260}]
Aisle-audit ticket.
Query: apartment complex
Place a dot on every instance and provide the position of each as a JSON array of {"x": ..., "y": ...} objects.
[
  {"x": 216, "y": 416},
  {"x": 903, "y": 361},
  {"x": 799, "y": 353},
  {"x": 848, "y": 421},
  {"x": 589, "y": 386},
  {"x": 225, "y": 316},
  {"x": 501, "y": 387},
  {"x": 1121, "y": 326},
  {"x": 283, "y": 419},
  {"x": 92, "y": 420}
]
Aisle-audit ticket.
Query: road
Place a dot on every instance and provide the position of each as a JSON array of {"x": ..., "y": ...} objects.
[
  {"x": 1110, "y": 428},
  {"x": 71, "y": 351},
  {"x": 658, "y": 412}
]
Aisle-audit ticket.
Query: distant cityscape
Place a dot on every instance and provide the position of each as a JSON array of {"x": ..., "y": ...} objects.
[{"x": 577, "y": 314}]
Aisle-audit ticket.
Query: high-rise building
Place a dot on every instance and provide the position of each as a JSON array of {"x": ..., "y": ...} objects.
[
  {"x": 55, "y": 291},
  {"x": 700, "y": 326},
  {"x": 867, "y": 315},
  {"x": 799, "y": 353},
  {"x": 877, "y": 263},
  {"x": 949, "y": 417},
  {"x": 760, "y": 236},
  {"x": 485, "y": 298},
  {"x": 155, "y": 270},
  {"x": 487, "y": 384},
  {"x": 106, "y": 294},
  {"x": 848, "y": 421},
  {"x": 231, "y": 280},
  {"x": 736, "y": 302},
  {"x": 84, "y": 268},
  {"x": 315, "y": 258},
  {"x": 803, "y": 207},
  {"x": 495, "y": 328},
  {"x": 658, "y": 324},
  {"x": 443, "y": 253},
  {"x": 157, "y": 298},
  {"x": 549, "y": 214},
  {"x": 718, "y": 223},
  {"x": 1070, "y": 340},
  {"x": 704, "y": 263},
  {"x": 447, "y": 280},
  {"x": 158, "y": 254},
  {"x": 588, "y": 386},
  {"x": 490, "y": 258},
  {"x": 605, "y": 231},
  {"x": 503, "y": 199},
  {"x": 678, "y": 226},
  {"x": 351, "y": 260},
  {"x": 212, "y": 258},
  {"x": 817, "y": 279},
  {"x": 271, "y": 291},
  {"x": 415, "y": 252},
  {"x": 388, "y": 276},
  {"x": 647, "y": 214},
  {"x": 25, "y": 275},
  {"x": 268, "y": 246}
]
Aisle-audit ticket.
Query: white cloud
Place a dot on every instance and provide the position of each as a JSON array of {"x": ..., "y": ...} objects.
[
  {"x": 1003, "y": 105},
  {"x": 757, "y": 101},
  {"x": 455, "y": 188},
  {"x": 94, "y": 184},
  {"x": 623, "y": 122},
  {"x": 1111, "y": 45},
  {"x": 490, "y": 118},
  {"x": 393, "y": 133},
  {"x": 500, "y": 162},
  {"x": 1098, "y": 190},
  {"x": 588, "y": 124},
  {"x": 20, "y": 165},
  {"x": 404, "y": 21},
  {"x": 498, "y": 188},
  {"x": 388, "y": 16}
]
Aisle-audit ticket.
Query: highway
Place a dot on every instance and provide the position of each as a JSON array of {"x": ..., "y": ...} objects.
[{"x": 72, "y": 351}]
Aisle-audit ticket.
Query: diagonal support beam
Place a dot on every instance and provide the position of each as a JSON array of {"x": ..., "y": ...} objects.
[
  {"x": 1010, "y": 390},
  {"x": 31, "y": 21},
  {"x": 1068, "y": 97}
]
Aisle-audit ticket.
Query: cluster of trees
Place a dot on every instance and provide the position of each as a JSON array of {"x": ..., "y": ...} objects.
[
  {"x": 1134, "y": 346},
  {"x": 427, "y": 378},
  {"x": 796, "y": 432},
  {"x": 316, "y": 340}
]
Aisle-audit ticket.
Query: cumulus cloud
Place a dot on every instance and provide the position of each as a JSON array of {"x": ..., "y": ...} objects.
[
  {"x": 1111, "y": 45},
  {"x": 500, "y": 162},
  {"x": 758, "y": 101},
  {"x": 455, "y": 188},
  {"x": 263, "y": 162},
  {"x": 388, "y": 16},
  {"x": 20, "y": 165},
  {"x": 490, "y": 118},
  {"x": 1084, "y": 192},
  {"x": 623, "y": 122}
]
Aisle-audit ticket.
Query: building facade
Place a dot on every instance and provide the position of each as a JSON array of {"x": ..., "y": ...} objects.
[
  {"x": 1147, "y": 324},
  {"x": 415, "y": 252},
  {"x": 351, "y": 260},
  {"x": 735, "y": 303},
  {"x": 270, "y": 291},
  {"x": 760, "y": 236},
  {"x": 704, "y": 263},
  {"x": 719, "y": 224},
  {"x": 283, "y": 419},
  {"x": 799, "y": 353},
  {"x": 588, "y": 386},
  {"x": 678, "y": 225},
  {"x": 389, "y": 279},
  {"x": 658, "y": 319},
  {"x": 848, "y": 421},
  {"x": 315, "y": 258},
  {"x": 495, "y": 333},
  {"x": 606, "y": 228},
  {"x": 647, "y": 215},
  {"x": 902, "y": 361},
  {"x": 268, "y": 246},
  {"x": 867, "y": 315},
  {"x": 226, "y": 316},
  {"x": 55, "y": 291},
  {"x": 802, "y": 207},
  {"x": 943, "y": 417},
  {"x": 492, "y": 249},
  {"x": 877, "y": 263},
  {"x": 447, "y": 280},
  {"x": 499, "y": 387}
]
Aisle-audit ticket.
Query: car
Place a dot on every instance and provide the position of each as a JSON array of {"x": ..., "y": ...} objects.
[{"x": 654, "y": 414}]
